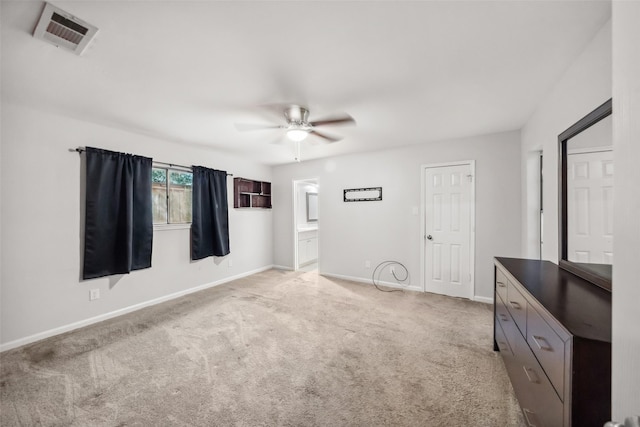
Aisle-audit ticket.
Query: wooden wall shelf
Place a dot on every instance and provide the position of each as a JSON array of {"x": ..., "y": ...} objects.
[{"x": 248, "y": 193}]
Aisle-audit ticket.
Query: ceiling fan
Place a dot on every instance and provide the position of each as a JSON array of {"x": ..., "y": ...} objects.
[{"x": 298, "y": 126}]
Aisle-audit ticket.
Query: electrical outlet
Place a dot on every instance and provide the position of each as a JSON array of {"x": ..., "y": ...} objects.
[
  {"x": 230, "y": 263},
  {"x": 367, "y": 264},
  {"x": 94, "y": 294}
]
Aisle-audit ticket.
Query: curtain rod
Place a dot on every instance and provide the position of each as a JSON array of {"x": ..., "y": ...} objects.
[{"x": 80, "y": 150}]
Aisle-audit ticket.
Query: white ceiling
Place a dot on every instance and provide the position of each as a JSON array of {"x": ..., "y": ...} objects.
[{"x": 408, "y": 72}]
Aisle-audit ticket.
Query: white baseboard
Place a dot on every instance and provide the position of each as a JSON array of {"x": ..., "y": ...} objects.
[
  {"x": 369, "y": 282},
  {"x": 282, "y": 267},
  {"x": 486, "y": 300},
  {"x": 86, "y": 322}
]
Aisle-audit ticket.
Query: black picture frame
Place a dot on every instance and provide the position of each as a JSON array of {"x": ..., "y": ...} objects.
[{"x": 350, "y": 194}]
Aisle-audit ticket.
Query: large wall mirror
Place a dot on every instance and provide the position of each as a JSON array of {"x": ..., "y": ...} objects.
[{"x": 586, "y": 197}]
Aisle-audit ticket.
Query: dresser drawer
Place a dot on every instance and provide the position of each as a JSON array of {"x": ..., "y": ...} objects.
[
  {"x": 548, "y": 348},
  {"x": 506, "y": 322},
  {"x": 501, "y": 340},
  {"x": 501, "y": 284},
  {"x": 517, "y": 306},
  {"x": 502, "y": 314},
  {"x": 540, "y": 404}
]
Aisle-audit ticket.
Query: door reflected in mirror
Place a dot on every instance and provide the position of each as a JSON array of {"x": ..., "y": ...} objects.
[{"x": 590, "y": 195}]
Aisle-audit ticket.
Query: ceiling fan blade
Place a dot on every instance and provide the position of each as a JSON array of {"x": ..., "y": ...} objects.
[
  {"x": 325, "y": 136},
  {"x": 243, "y": 127},
  {"x": 343, "y": 119}
]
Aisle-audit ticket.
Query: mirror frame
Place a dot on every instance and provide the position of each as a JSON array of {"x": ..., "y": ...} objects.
[
  {"x": 312, "y": 214},
  {"x": 586, "y": 122}
]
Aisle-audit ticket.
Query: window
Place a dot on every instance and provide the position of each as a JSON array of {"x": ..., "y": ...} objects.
[{"x": 171, "y": 194}]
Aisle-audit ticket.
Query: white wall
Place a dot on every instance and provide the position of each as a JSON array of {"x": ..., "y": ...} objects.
[
  {"x": 583, "y": 87},
  {"x": 626, "y": 151},
  {"x": 41, "y": 244},
  {"x": 389, "y": 230}
]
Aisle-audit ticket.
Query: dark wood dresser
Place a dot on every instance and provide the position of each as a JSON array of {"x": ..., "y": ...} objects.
[{"x": 553, "y": 330}]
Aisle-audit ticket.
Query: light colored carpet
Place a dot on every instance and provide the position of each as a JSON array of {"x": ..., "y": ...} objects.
[{"x": 273, "y": 349}]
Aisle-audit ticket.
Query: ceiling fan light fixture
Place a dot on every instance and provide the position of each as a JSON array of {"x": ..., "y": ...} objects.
[{"x": 297, "y": 135}]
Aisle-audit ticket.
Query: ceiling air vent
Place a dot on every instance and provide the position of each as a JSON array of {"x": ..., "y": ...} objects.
[{"x": 64, "y": 30}]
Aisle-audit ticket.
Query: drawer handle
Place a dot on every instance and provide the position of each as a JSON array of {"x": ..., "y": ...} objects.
[
  {"x": 537, "y": 339},
  {"x": 503, "y": 317},
  {"x": 515, "y": 304},
  {"x": 528, "y": 416},
  {"x": 531, "y": 375},
  {"x": 502, "y": 285}
]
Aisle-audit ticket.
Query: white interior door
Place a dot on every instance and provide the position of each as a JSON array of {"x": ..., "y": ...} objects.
[
  {"x": 448, "y": 230},
  {"x": 590, "y": 207}
]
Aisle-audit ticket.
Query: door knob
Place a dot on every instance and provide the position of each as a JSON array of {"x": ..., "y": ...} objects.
[{"x": 429, "y": 237}]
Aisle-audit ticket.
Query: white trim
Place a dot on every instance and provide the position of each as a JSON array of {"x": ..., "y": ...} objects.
[
  {"x": 472, "y": 237},
  {"x": 588, "y": 150},
  {"x": 294, "y": 196},
  {"x": 162, "y": 165},
  {"x": 282, "y": 267},
  {"x": 304, "y": 264},
  {"x": 447, "y": 164},
  {"x": 486, "y": 300},
  {"x": 368, "y": 281},
  {"x": 86, "y": 322},
  {"x": 472, "y": 207},
  {"x": 164, "y": 227},
  {"x": 423, "y": 231}
]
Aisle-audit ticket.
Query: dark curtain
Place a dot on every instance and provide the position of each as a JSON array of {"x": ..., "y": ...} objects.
[
  {"x": 210, "y": 219},
  {"x": 119, "y": 219}
]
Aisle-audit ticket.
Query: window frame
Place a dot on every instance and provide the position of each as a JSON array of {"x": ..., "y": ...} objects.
[{"x": 171, "y": 225}]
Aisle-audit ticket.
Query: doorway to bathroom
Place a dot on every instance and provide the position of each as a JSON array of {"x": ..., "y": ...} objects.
[{"x": 306, "y": 224}]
